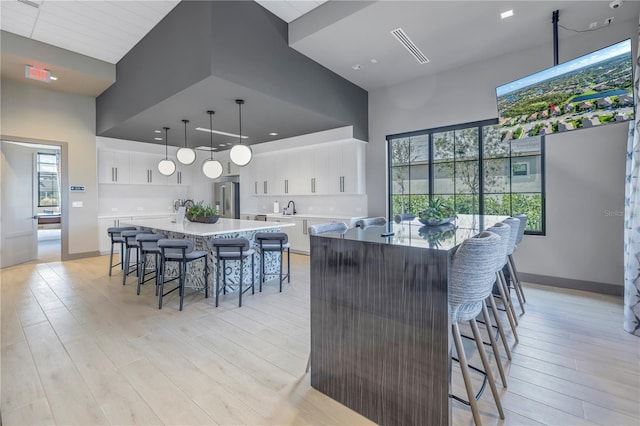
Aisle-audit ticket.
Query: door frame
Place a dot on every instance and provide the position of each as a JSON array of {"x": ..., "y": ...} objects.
[{"x": 64, "y": 185}]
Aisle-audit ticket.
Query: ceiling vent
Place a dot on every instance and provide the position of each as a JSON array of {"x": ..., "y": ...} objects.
[
  {"x": 404, "y": 39},
  {"x": 30, "y": 3}
]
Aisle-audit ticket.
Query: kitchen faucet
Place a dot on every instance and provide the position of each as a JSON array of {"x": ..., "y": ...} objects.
[{"x": 294, "y": 207}]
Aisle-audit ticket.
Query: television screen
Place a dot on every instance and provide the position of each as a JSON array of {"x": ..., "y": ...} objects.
[{"x": 592, "y": 90}]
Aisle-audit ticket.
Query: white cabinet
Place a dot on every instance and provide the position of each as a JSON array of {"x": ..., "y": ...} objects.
[
  {"x": 346, "y": 169},
  {"x": 144, "y": 169},
  {"x": 113, "y": 167},
  {"x": 182, "y": 176}
]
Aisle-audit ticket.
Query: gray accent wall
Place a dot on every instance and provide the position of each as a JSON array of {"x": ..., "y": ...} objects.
[
  {"x": 584, "y": 169},
  {"x": 235, "y": 41}
]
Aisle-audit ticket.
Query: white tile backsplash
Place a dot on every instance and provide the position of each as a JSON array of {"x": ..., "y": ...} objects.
[{"x": 137, "y": 199}]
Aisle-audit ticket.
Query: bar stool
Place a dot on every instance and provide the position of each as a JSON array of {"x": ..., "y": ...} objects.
[
  {"x": 516, "y": 278},
  {"x": 503, "y": 230},
  {"x": 148, "y": 245},
  {"x": 473, "y": 269},
  {"x": 328, "y": 228},
  {"x": 232, "y": 249},
  {"x": 274, "y": 242},
  {"x": 116, "y": 238},
  {"x": 371, "y": 221},
  {"x": 182, "y": 252},
  {"x": 515, "y": 227},
  {"x": 402, "y": 217},
  {"x": 130, "y": 243}
]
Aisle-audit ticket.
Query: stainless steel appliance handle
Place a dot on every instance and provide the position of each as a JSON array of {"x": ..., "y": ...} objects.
[
  {"x": 223, "y": 200},
  {"x": 304, "y": 226}
]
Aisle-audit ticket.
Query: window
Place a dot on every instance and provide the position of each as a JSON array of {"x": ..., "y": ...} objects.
[
  {"x": 470, "y": 167},
  {"x": 48, "y": 180}
]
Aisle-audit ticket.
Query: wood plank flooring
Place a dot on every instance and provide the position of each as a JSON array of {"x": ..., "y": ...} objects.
[{"x": 80, "y": 348}]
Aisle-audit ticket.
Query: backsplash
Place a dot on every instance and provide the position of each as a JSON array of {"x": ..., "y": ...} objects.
[
  {"x": 138, "y": 199},
  {"x": 350, "y": 205}
]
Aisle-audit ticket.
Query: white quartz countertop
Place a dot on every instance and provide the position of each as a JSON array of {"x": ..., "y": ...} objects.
[
  {"x": 135, "y": 214},
  {"x": 307, "y": 216},
  {"x": 222, "y": 226}
]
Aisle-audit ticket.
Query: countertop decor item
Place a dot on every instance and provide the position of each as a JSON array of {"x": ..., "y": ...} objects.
[
  {"x": 199, "y": 212},
  {"x": 240, "y": 154},
  {"x": 438, "y": 212},
  {"x": 166, "y": 167},
  {"x": 211, "y": 168},
  {"x": 436, "y": 234}
]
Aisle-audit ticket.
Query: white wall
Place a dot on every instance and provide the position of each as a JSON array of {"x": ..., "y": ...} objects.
[
  {"x": 584, "y": 169},
  {"x": 30, "y": 112}
]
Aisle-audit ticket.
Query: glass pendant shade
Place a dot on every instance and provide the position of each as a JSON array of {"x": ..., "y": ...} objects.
[
  {"x": 186, "y": 155},
  {"x": 240, "y": 154},
  {"x": 166, "y": 167},
  {"x": 212, "y": 169}
]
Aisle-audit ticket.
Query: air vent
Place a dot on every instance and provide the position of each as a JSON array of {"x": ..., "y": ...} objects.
[
  {"x": 404, "y": 39},
  {"x": 30, "y": 3}
]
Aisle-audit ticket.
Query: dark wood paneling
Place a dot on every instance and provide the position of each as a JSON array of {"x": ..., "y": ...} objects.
[{"x": 379, "y": 329}]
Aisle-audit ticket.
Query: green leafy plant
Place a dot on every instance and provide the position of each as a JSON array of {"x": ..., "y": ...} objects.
[
  {"x": 199, "y": 209},
  {"x": 437, "y": 210}
]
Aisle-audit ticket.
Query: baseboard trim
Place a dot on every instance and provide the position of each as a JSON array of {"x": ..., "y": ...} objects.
[
  {"x": 76, "y": 256},
  {"x": 592, "y": 286}
]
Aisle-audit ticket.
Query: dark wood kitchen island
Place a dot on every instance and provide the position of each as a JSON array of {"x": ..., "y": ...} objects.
[{"x": 379, "y": 322}]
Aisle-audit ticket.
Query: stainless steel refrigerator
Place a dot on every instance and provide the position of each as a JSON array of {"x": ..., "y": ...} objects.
[{"x": 226, "y": 197}]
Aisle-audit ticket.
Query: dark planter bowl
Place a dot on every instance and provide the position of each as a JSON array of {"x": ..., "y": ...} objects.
[{"x": 203, "y": 219}]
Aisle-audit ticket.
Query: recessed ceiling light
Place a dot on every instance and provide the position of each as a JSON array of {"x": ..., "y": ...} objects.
[
  {"x": 374, "y": 61},
  {"x": 357, "y": 67},
  {"x": 218, "y": 132},
  {"x": 53, "y": 78},
  {"x": 158, "y": 139},
  {"x": 273, "y": 134},
  {"x": 158, "y": 131},
  {"x": 506, "y": 14},
  {"x": 205, "y": 148},
  {"x": 222, "y": 144}
]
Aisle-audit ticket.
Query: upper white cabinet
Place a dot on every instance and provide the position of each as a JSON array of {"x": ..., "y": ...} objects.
[
  {"x": 329, "y": 169},
  {"x": 113, "y": 167},
  {"x": 138, "y": 168}
]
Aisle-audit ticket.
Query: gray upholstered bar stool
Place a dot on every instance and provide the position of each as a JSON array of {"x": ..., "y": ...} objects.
[
  {"x": 130, "y": 243},
  {"x": 515, "y": 229},
  {"x": 404, "y": 217},
  {"x": 328, "y": 228},
  {"x": 115, "y": 234},
  {"x": 148, "y": 246},
  {"x": 473, "y": 269},
  {"x": 514, "y": 271},
  {"x": 274, "y": 242},
  {"x": 503, "y": 230},
  {"x": 371, "y": 221},
  {"x": 232, "y": 249},
  {"x": 181, "y": 251}
]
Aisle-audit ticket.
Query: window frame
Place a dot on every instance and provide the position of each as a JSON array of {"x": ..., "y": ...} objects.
[
  {"x": 55, "y": 174},
  {"x": 479, "y": 125}
]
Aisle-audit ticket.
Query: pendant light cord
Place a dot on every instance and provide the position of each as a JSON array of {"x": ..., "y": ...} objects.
[
  {"x": 166, "y": 148},
  {"x": 240, "y": 102},
  {"x": 211, "y": 133},
  {"x": 185, "y": 132}
]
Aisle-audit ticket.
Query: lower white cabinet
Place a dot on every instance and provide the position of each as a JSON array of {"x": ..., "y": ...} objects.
[{"x": 104, "y": 242}]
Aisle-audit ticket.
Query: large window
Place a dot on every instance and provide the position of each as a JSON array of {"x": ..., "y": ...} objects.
[
  {"x": 471, "y": 168},
  {"x": 48, "y": 180}
]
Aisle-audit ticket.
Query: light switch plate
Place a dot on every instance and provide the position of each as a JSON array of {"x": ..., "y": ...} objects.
[{"x": 76, "y": 204}]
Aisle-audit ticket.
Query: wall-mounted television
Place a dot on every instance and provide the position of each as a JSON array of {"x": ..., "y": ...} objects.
[{"x": 593, "y": 90}]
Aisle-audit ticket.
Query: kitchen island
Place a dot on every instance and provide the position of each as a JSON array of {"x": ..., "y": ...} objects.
[
  {"x": 200, "y": 233},
  {"x": 379, "y": 318}
]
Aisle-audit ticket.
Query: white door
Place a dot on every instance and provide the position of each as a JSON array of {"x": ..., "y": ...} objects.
[{"x": 18, "y": 228}]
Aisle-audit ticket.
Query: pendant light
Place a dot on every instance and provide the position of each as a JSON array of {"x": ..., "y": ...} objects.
[
  {"x": 240, "y": 154},
  {"x": 211, "y": 168},
  {"x": 166, "y": 167},
  {"x": 186, "y": 155}
]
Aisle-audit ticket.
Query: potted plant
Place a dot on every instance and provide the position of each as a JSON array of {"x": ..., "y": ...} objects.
[
  {"x": 199, "y": 212},
  {"x": 437, "y": 212}
]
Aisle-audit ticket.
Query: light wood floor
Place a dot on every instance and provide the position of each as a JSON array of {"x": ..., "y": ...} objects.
[{"x": 80, "y": 348}]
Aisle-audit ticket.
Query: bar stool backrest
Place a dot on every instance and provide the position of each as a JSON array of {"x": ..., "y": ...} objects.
[
  {"x": 229, "y": 246},
  {"x": 371, "y": 221},
  {"x": 328, "y": 228},
  {"x": 149, "y": 241},
  {"x": 130, "y": 237},
  {"x": 115, "y": 232},
  {"x": 472, "y": 275},
  {"x": 177, "y": 245},
  {"x": 272, "y": 237},
  {"x": 515, "y": 226},
  {"x": 523, "y": 226},
  {"x": 404, "y": 216},
  {"x": 504, "y": 232}
]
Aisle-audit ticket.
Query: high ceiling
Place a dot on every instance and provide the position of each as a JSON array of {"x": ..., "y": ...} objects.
[{"x": 339, "y": 35}]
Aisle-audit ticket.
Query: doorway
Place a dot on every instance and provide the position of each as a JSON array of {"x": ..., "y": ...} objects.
[{"x": 32, "y": 202}]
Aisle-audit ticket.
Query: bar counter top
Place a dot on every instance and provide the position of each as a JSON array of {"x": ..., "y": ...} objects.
[{"x": 222, "y": 226}]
